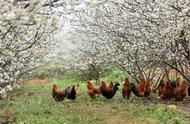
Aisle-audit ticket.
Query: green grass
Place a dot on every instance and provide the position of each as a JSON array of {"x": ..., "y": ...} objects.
[{"x": 38, "y": 107}]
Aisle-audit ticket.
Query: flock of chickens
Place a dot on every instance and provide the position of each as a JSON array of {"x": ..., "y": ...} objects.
[
  {"x": 69, "y": 92},
  {"x": 167, "y": 89}
]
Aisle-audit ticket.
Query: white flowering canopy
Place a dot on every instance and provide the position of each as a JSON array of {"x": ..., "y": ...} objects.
[
  {"x": 26, "y": 35},
  {"x": 135, "y": 35}
]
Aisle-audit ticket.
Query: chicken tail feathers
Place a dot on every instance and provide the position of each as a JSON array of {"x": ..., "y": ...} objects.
[
  {"x": 189, "y": 90},
  {"x": 133, "y": 89},
  {"x": 174, "y": 84}
]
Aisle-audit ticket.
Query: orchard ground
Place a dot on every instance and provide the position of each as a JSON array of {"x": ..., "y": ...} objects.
[{"x": 33, "y": 104}]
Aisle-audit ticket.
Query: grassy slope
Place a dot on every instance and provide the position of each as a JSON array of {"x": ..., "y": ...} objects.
[{"x": 38, "y": 107}]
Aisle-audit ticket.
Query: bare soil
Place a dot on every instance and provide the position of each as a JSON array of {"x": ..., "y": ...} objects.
[{"x": 35, "y": 81}]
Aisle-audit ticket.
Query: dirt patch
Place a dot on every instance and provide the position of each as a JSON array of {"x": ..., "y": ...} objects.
[
  {"x": 23, "y": 94},
  {"x": 35, "y": 81},
  {"x": 29, "y": 93}
]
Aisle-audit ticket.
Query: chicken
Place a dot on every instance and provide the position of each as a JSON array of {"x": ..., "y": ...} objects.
[
  {"x": 71, "y": 93},
  {"x": 89, "y": 85},
  {"x": 110, "y": 84},
  {"x": 169, "y": 90},
  {"x": 109, "y": 92},
  {"x": 103, "y": 84},
  {"x": 147, "y": 88},
  {"x": 126, "y": 90},
  {"x": 57, "y": 94},
  {"x": 68, "y": 90},
  {"x": 161, "y": 89},
  {"x": 189, "y": 90},
  {"x": 92, "y": 91},
  {"x": 166, "y": 89},
  {"x": 181, "y": 92},
  {"x": 77, "y": 89},
  {"x": 176, "y": 83},
  {"x": 139, "y": 90}
]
